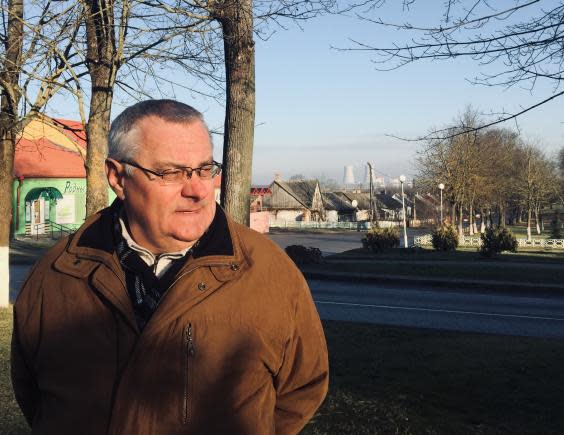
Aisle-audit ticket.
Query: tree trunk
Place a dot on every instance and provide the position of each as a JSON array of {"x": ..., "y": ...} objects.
[
  {"x": 529, "y": 224},
  {"x": 471, "y": 220},
  {"x": 537, "y": 221},
  {"x": 482, "y": 222},
  {"x": 9, "y": 78},
  {"x": 460, "y": 223},
  {"x": 102, "y": 66},
  {"x": 236, "y": 18}
]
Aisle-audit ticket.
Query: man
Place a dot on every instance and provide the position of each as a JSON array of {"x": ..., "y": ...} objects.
[{"x": 161, "y": 315}]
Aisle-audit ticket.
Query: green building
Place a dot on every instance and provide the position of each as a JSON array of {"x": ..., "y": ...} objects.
[{"x": 49, "y": 190}]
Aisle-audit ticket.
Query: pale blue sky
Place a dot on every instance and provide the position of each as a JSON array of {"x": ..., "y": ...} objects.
[{"x": 319, "y": 109}]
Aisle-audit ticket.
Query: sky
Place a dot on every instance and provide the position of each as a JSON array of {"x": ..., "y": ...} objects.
[{"x": 319, "y": 109}]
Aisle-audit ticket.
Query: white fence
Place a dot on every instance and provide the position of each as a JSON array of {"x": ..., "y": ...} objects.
[
  {"x": 476, "y": 241},
  {"x": 359, "y": 226}
]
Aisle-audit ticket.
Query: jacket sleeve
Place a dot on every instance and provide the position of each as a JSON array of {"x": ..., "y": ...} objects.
[
  {"x": 23, "y": 381},
  {"x": 302, "y": 381},
  {"x": 27, "y": 314}
]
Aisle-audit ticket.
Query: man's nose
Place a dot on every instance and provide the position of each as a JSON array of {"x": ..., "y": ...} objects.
[{"x": 195, "y": 187}]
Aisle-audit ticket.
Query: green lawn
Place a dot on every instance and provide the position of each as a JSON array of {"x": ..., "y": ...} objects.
[
  {"x": 461, "y": 254},
  {"x": 471, "y": 272},
  {"x": 11, "y": 419},
  {"x": 411, "y": 381}
]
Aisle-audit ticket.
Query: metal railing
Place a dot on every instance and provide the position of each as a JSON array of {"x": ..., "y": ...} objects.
[
  {"x": 57, "y": 230},
  {"x": 62, "y": 229}
]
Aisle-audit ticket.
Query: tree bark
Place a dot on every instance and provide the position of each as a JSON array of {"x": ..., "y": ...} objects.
[
  {"x": 529, "y": 224},
  {"x": 102, "y": 66},
  {"x": 460, "y": 218},
  {"x": 9, "y": 78},
  {"x": 236, "y": 18},
  {"x": 471, "y": 219}
]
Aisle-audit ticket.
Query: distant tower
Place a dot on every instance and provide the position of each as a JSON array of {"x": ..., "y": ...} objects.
[
  {"x": 367, "y": 175},
  {"x": 348, "y": 177}
]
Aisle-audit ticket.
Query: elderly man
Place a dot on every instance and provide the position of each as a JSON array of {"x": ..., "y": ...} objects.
[{"x": 161, "y": 315}]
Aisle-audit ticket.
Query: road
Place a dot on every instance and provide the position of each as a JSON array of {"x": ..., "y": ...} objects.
[
  {"x": 449, "y": 309},
  {"x": 330, "y": 242}
]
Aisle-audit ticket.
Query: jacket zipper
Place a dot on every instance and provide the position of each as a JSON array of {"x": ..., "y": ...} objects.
[{"x": 190, "y": 351}]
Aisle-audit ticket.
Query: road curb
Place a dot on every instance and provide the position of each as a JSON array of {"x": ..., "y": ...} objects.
[{"x": 513, "y": 287}]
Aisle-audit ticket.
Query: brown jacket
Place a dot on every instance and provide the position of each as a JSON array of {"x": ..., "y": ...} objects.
[{"x": 235, "y": 347}]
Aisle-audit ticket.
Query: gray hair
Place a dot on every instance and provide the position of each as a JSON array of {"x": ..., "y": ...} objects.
[{"x": 120, "y": 145}]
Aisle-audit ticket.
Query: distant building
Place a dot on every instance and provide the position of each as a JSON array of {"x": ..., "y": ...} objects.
[
  {"x": 338, "y": 208},
  {"x": 49, "y": 176},
  {"x": 258, "y": 194},
  {"x": 295, "y": 201}
]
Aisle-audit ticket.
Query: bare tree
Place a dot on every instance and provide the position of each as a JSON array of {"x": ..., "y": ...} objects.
[
  {"x": 535, "y": 179},
  {"x": 236, "y": 18},
  {"x": 10, "y": 97},
  {"x": 34, "y": 67},
  {"x": 520, "y": 42}
]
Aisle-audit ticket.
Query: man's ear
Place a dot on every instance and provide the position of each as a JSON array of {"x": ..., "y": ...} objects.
[{"x": 115, "y": 172}]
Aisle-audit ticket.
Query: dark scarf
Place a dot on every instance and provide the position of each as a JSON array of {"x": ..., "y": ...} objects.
[{"x": 145, "y": 289}]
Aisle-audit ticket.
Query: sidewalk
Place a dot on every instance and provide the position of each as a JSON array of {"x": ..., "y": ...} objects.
[{"x": 26, "y": 250}]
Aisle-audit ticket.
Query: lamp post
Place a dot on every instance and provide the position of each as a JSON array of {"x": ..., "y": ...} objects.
[
  {"x": 441, "y": 187},
  {"x": 402, "y": 180}
]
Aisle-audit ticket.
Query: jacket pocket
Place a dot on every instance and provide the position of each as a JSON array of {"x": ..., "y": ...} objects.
[{"x": 189, "y": 352}]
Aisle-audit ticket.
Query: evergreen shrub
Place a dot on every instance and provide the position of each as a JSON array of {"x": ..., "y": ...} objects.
[
  {"x": 302, "y": 255},
  {"x": 381, "y": 239},
  {"x": 444, "y": 238},
  {"x": 496, "y": 240}
]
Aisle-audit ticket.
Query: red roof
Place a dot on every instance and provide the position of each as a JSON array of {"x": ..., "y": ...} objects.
[
  {"x": 51, "y": 148},
  {"x": 257, "y": 191}
]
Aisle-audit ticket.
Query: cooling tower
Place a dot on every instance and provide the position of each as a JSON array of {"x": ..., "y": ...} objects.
[{"x": 348, "y": 178}]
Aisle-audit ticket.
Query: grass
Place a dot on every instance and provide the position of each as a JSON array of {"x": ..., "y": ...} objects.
[
  {"x": 11, "y": 419},
  {"x": 493, "y": 272},
  {"x": 461, "y": 254},
  {"x": 411, "y": 381}
]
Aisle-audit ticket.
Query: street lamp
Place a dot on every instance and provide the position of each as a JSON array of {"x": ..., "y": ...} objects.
[
  {"x": 441, "y": 187},
  {"x": 402, "y": 180}
]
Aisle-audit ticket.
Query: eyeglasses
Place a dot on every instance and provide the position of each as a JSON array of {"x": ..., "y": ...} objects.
[{"x": 179, "y": 175}]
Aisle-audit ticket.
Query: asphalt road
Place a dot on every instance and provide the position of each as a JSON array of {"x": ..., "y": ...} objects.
[
  {"x": 449, "y": 309},
  {"x": 330, "y": 242}
]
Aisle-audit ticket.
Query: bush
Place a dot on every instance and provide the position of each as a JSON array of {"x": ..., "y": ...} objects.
[
  {"x": 302, "y": 255},
  {"x": 381, "y": 239},
  {"x": 556, "y": 227},
  {"x": 444, "y": 238},
  {"x": 496, "y": 240}
]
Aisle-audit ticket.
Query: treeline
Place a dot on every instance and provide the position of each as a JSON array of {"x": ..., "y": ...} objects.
[{"x": 494, "y": 173}]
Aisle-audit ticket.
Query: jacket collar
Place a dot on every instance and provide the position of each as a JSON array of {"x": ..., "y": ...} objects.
[{"x": 93, "y": 246}]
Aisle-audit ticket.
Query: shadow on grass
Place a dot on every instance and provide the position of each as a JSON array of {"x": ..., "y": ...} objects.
[{"x": 413, "y": 381}]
